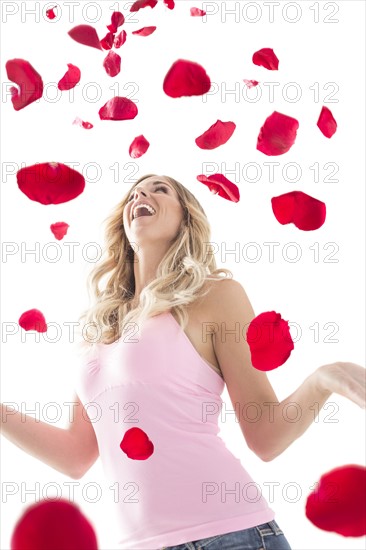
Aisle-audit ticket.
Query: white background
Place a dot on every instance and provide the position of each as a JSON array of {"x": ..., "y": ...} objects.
[{"x": 323, "y": 53}]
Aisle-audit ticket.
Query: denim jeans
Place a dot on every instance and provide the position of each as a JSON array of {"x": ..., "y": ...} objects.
[{"x": 266, "y": 536}]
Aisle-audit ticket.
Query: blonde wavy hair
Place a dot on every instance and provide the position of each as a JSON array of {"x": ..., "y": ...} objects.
[{"x": 179, "y": 279}]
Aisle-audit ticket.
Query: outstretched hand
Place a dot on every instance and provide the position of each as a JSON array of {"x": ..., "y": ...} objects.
[{"x": 347, "y": 379}]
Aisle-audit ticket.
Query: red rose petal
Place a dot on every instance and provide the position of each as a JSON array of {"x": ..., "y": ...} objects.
[
  {"x": 53, "y": 524},
  {"x": 29, "y": 81},
  {"x": 338, "y": 503},
  {"x": 326, "y": 122},
  {"x": 138, "y": 147},
  {"x": 33, "y": 319},
  {"x": 136, "y": 6},
  {"x": 118, "y": 108},
  {"x": 277, "y": 134},
  {"x": 85, "y": 34},
  {"x": 70, "y": 78},
  {"x": 136, "y": 444},
  {"x": 269, "y": 341},
  {"x": 302, "y": 210},
  {"x": 169, "y": 4},
  {"x": 107, "y": 41},
  {"x": 50, "y": 182},
  {"x": 219, "y": 185},
  {"x": 250, "y": 83},
  {"x": 79, "y": 122},
  {"x": 117, "y": 20},
  {"x": 196, "y": 12},
  {"x": 266, "y": 58},
  {"x": 112, "y": 63},
  {"x": 186, "y": 78},
  {"x": 50, "y": 13},
  {"x": 217, "y": 134},
  {"x": 145, "y": 31},
  {"x": 59, "y": 229},
  {"x": 120, "y": 39}
]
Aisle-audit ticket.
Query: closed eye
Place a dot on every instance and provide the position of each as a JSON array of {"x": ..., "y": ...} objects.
[{"x": 156, "y": 188}]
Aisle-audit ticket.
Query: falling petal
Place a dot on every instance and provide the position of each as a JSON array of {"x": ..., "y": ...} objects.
[
  {"x": 29, "y": 81},
  {"x": 277, "y": 134},
  {"x": 120, "y": 39},
  {"x": 169, "y": 4},
  {"x": 85, "y": 34},
  {"x": 112, "y": 63},
  {"x": 136, "y": 444},
  {"x": 117, "y": 20},
  {"x": 33, "y": 319},
  {"x": 196, "y": 12},
  {"x": 266, "y": 58},
  {"x": 269, "y": 341},
  {"x": 186, "y": 78},
  {"x": 338, "y": 503},
  {"x": 79, "y": 122},
  {"x": 136, "y": 6},
  {"x": 107, "y": 41},
  {"x": 250, "y": 83},
  {"x": 53, "y": 523},
  {"x": 326, "y": 122},
  {"x": 138, "y": 147},
  {"x": 59, "y": 229},
  {"x": 118, "y": 108},
  {"x": 219, "y": 185},
  {"x": 217, "y": 134},
  {"x": 50, "y": 13},
  {"x": 70, "y": 78},
  {"x": 145, "y": 31},
  {"x": 50, "y": 182},
  {"x": 296, "y": 207}
]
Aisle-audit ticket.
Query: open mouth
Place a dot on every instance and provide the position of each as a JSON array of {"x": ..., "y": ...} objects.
[{"x": 143, "y": 211}]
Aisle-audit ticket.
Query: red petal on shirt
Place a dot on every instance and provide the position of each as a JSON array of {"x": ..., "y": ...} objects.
[
  {"x": 85, "y": 34},
  {"x": 107, "y": 41},
  {"x": 70, "y": 78},
  {"x": 266, "y": 58},
  {"x": 217, "y": 134},
  {"x": 277, "y": 134},
  {"x": 29, "y": 81},
  {"x": 269, "y": 341},
  {"x": 120, "y": 39},
  {"x": 53, "y": 523},
  {"x": 59, "y": 229},
  {"x": 50, "y": 182},
  {"x": 50, "y": 13},
  {"x": 338, "y": 503},
  {"x": 250, "y": 83},
  {"x": 326, "y": 122},
  {"x": 138, "y": 147},
  {"x": 117, "y": 20},
  {"x": 296, "y": 207},
  {"x": 33, "y": 319},
  {"x": 136, "y": 6},
  {"x": 118, "y": 108},
  {"x": 86, "y": 125},
  {"x": 219, "y": 185},
  {"x": 186, "y": 78},
  {"x": 169, "y": 4},
  {"x": 136, "y": 444},
  {"x": 144, "y": 31},
  {"x": 196, "y": 12},
  {"x": 112, "y": 63}
]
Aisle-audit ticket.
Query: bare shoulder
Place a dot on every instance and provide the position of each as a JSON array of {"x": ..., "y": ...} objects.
[{"x": 223, "y": 299}]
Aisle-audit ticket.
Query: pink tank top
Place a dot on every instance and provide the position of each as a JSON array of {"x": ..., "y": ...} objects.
[{"x": 191, "y": 487}]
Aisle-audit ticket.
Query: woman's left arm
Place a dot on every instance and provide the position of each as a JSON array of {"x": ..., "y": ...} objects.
[{"x": 289, "y": 419}]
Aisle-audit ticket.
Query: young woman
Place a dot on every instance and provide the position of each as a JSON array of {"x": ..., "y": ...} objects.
[{"x": 179, "y": 486}]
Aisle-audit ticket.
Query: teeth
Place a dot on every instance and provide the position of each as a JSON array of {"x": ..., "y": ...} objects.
[{"x": 150, "y": 208}]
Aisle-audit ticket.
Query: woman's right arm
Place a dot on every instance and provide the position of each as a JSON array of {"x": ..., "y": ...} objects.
[{"x": 71, "y": 451}]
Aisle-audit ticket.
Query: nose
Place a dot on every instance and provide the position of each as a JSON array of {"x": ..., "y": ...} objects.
[{"x": 137, "y": 189}]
